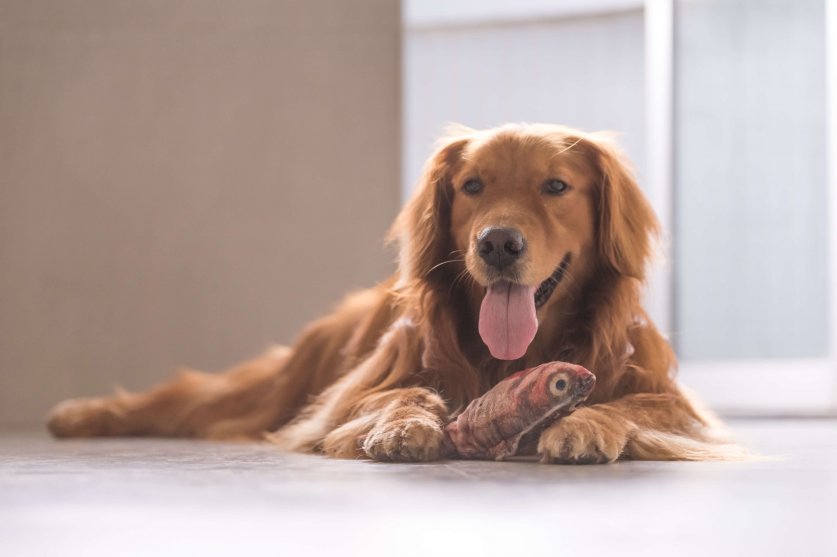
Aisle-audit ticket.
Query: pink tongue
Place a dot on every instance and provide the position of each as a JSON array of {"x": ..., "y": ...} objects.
[{"x": 508, "y": 322}]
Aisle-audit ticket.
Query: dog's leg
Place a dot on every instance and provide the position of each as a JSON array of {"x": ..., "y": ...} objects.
[
  {"x": 638, "y": 426},
  {"x": 228, "y": 405},
  {"x": 252, "y": 398},
  {"x": 369, "y": 412},
  {"x": 397, "y": 425}
]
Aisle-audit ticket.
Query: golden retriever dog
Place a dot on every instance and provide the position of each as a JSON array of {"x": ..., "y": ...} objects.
[{"x": 521, "y": 245}]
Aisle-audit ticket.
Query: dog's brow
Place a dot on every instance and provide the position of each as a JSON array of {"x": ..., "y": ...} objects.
[{"x": 567, "y": 148}]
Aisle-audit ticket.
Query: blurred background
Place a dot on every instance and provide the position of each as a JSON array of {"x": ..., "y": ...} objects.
[{"x": 186, "y": 182}]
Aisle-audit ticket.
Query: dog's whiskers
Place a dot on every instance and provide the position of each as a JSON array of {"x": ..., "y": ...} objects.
[
  {"x": 451, "y": 254},
  {"x": 434, "y": 267},
  {"x": 464, "y": 274}
]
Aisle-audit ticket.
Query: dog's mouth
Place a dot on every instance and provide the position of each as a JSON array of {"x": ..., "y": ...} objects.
[
  {"x": 547, "y": 287},
  {"x": 545, "y": 290},
  {"x": 508, "y": 318}
]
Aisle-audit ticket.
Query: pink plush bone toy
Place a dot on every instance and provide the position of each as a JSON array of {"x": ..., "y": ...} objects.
[{"x": 492, "y": 426}]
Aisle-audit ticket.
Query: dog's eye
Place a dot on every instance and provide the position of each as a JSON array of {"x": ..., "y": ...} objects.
[
  {"x": 472, "y": 186},
  {"x": 555, "y": 187}
]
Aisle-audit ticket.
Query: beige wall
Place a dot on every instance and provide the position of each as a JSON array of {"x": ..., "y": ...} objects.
[{"x": 184, "y": 181}]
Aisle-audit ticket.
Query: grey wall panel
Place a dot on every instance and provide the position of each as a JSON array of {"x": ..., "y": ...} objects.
[{"x": 185, "y": 182}]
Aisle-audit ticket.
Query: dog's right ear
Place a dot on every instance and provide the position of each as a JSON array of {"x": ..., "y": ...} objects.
[{"x": 422, "y": 229}]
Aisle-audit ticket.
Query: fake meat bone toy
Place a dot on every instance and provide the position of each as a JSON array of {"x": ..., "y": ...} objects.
[{"x": 493, "y": 425}]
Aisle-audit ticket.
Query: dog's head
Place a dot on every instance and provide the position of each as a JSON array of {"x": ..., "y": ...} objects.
[{"x": 527, "y": 210}]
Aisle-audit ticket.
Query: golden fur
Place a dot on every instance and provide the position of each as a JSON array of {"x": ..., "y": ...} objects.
[{"x": 381, "y": 375}]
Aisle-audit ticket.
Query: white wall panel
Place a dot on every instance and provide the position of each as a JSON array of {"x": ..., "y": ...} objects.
[
  {"x": 583, "y": 71},
  {"x": 751, "y": 222}
]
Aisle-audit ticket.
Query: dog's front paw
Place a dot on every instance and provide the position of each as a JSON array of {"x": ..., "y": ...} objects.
[
  {"x": 584, "y": 437},
  {"x": 415, "y": 439}
]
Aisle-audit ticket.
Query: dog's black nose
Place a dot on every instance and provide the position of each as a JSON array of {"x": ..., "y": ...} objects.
[{"x": 500, "y": 247}]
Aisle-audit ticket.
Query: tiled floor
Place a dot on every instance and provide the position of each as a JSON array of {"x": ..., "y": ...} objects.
[{"x": 159, "y": 497}]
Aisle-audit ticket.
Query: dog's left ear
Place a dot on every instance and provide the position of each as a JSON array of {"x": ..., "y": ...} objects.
[
  {"x": 627, "y": 223},
  {"x": 422, "y": 229}
]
